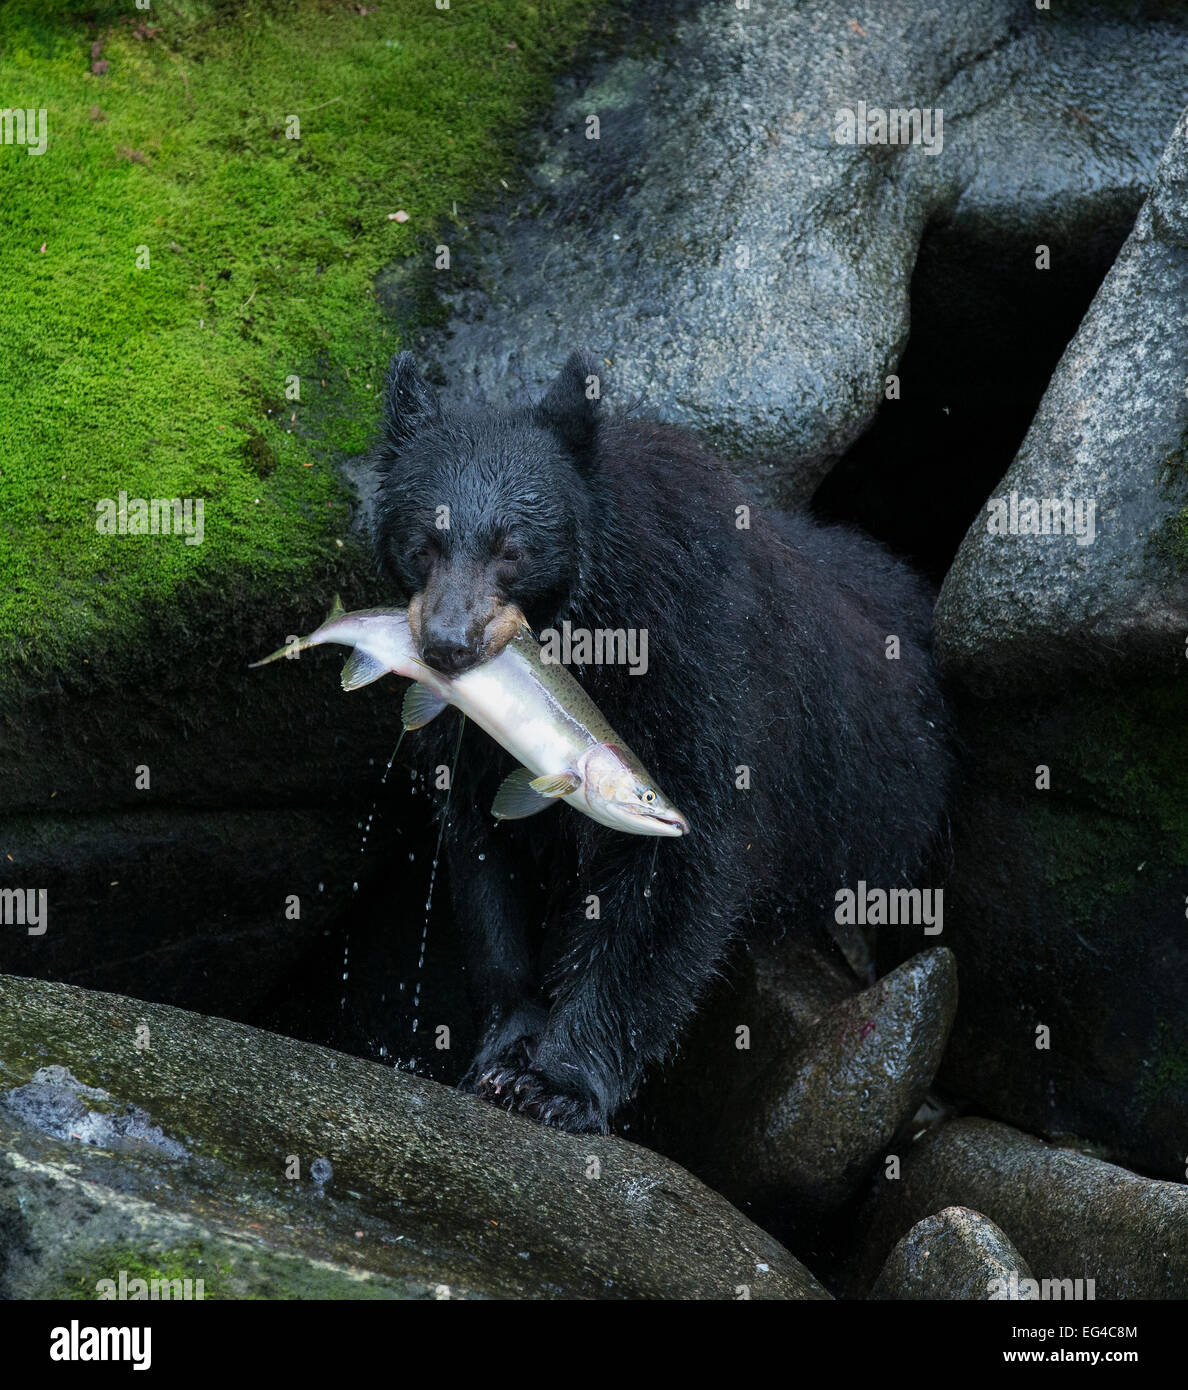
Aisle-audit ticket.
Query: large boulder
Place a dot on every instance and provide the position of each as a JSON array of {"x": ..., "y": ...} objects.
[
  {"x": 956, "y": 1254},
  {"x": 1065, "y": 911},
  {"x": 1024, "y": 610},
  {"x": 137, "y": 1136},
  {"x": 748, "y": 273},
  {"x": 181, "y": 832},
  {"x": 1069, "y": 844},
  {"x": 806, "y": 1134},
  {"x": 1070, "y": 1216}
]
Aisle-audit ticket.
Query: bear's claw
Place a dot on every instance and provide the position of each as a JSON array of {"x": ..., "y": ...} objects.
[{"x": 526, "y": 1091}]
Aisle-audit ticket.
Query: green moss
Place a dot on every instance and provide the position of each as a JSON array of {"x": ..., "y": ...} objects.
[
  {"x": 1171, "y": 540},
  {"x": 80, "y": 1278},
  {"x": 1126, "y": 813},
  {"x": 173, "y": 259},
  {"x": 227, "y": 1271},
  {"x": 1168, "y": 1069},
  {"x": 1132, "y": 757}
]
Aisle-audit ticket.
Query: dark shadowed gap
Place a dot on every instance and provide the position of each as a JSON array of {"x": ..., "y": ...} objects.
[{"x": 988, "y": 329}]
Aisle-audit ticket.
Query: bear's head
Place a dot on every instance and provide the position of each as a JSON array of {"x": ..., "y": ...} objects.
[{"x": 479, "y": 510}]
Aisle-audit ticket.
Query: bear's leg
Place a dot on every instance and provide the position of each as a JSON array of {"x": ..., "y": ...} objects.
[
  {"x": 623, "y": 986},
  {"x": 485, "y": 879}
]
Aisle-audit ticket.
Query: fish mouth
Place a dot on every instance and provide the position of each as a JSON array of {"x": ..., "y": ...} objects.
[{"x": 660, "y": 823}]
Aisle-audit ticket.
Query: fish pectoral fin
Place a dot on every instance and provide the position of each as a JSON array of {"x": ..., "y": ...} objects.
[
  {"x": 517, "y": 798},
  {"x": 361, "y": 669},
  {"x": 421, "y": 704},
  {"x": 559, "y": 785}
]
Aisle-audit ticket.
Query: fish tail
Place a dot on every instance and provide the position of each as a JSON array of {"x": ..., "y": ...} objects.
[
  {"x": 289, "y": 649},
  {"x": 304, "y": 643}
]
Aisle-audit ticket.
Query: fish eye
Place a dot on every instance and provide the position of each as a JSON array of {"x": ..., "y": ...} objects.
[{"x": 649, "y": 795}]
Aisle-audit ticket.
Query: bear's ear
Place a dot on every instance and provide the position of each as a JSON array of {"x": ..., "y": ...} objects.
[
  {"x": 570, "y": 406},
  {"x": 410, "y": 403}
]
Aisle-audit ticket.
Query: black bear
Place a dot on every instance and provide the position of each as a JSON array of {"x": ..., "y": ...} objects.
[{"x": 789, "y": 709}]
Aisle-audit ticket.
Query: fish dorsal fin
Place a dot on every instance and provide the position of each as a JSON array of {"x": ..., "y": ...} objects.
[
  {"x": 421, "y": 704},
  {"x": 516, "y": 797},
  {"x": 361, "y": 669},
  {"x": 336, "y": 609}
]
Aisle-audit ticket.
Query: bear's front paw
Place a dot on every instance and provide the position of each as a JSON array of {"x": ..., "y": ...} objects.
[
  {"x": 493, "y": 1072},
  {"x": 519, "y": 1087},
  {"x": 538, "y": 1098}
]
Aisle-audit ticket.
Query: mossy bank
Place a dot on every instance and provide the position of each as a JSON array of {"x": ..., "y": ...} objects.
[{"x": 186, "y": 279}]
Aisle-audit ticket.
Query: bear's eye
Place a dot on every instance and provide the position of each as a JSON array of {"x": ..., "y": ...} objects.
[
  {"x": 508, "y": 552},
  {"x": 425, "y": 553}
]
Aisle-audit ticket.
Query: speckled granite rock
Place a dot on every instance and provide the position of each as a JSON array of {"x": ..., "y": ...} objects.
[{"x": 416, "y": 1188}]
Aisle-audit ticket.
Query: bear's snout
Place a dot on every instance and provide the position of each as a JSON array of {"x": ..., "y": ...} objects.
[
  {"x": 447, "y": 648},
  {"x": 451, "y": 620}
]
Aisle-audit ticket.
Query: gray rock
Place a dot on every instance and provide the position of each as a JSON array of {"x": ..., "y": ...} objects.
[
  {"x": 777, "y": 989},
  {"x": 814, "y": 1125},
  {"x": 1065, "y": 911},
  {"x": 1070, "y": 1216},
  {"x": 262, "y": 784},
  {"x": 61, "y": 1106},
  {"x": 1020, "y": 610},
  {"x": 121, "y": 906},
  {"x": 426, "y": 1189},
  {"x": 956, "y": 1254},
  {"x": 723, "y": 254}
]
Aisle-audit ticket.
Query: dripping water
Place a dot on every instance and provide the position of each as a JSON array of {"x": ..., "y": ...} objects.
[
  {"x": 366, "y": 828},
  {"x": 445, "y": 811},
  {"x": 652, "y": 870}
]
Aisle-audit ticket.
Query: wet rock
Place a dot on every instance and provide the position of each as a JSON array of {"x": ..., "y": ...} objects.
[
  {"x": 956, "y": 1254},
  {"x": 726, "y": 255},
  {"x": 812, "y": 1127},
  {"x": 61, "y": 1106},
  {"x": 1070, "y": 1216},
  {"x": 73, "y": 1216},
  {"x": 1065, "y": 910},
  {"x": 199, "y": 841},
  {"x": 1066, "y": 901},
  {"x": 420, "y": 1189},
  {"x": 773, "y": 994},
  {"x": 121, "y": 910},
  {"x": 1021, "y": 610}
]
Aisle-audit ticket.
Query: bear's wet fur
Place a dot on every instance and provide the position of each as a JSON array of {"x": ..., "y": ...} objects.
[{"x": 803, "y": 755}]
